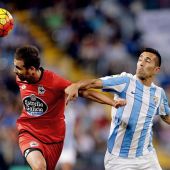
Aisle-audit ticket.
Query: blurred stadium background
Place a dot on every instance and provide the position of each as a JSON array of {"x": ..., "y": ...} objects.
[{"x": 81, "y": 39}]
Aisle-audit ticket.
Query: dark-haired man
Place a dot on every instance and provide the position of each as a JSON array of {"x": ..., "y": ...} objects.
[
  {"x": 129, "y": 144},
  {"x": 41, "y": 125}
]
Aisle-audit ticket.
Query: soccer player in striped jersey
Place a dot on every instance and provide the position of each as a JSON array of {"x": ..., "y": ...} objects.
[{"x": 129, "y": 143}]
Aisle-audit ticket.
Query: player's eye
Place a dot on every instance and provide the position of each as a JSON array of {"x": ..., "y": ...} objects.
[
  {"x": 148, "y": 61},
  {"x": 139, "y": 59},
  {"x": 18, "y": 68}
]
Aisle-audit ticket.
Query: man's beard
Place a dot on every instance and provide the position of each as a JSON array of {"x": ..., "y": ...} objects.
[
  {"x": 24, "y": 78},
  {"x": 21, "y": 77},
  {"x": 144, "y": 77}
]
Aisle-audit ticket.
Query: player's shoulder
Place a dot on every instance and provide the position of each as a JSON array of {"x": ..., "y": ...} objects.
[
  {"x": 120, "y": 78},
  {"x": 121, "y": 75},
  {"x": 48, "y": 75},
  {"x": 51, "y": 74},
  {"x": 125, "y": 74},
  {"x": 54, "y": 77},
  {"x": 158, "y": 88}
]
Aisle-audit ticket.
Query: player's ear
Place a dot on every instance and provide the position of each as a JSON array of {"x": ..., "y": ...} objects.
[
  {"x": 32, "y": 68},
  {"x": 157, "y": 69}
]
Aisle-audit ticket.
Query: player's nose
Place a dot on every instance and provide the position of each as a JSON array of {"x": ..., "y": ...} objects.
[
  {"x": 14, "y": 70},
  {"x": 141, "y": 63}
]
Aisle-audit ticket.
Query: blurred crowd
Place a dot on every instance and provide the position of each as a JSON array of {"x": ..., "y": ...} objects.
[{"x": 103, "y": 38}]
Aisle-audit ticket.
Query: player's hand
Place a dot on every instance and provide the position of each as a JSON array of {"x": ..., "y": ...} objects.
[
  {"x": 119, "y": 103},
  {"x": 71, "y": 93}
]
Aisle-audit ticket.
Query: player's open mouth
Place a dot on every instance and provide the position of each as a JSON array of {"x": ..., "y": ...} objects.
[{"x": 140, "y": 69}]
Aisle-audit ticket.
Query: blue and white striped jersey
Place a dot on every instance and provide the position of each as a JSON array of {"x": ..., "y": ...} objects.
[{"x": 131, "y": 126}]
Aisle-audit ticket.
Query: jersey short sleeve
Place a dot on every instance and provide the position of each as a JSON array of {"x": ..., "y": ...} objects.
[
  {"x": 60, "y": 83},
  {"x": 163, "y": 109},
  {"x": 116, "y": 83}
]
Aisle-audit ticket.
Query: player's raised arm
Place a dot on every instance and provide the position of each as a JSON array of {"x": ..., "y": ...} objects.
[
  {"x": 72, "y": 90},
  {"x": 102, "y": 98}
]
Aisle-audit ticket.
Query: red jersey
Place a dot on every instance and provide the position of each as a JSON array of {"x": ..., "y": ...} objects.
[{"x": 43, "y": 107}]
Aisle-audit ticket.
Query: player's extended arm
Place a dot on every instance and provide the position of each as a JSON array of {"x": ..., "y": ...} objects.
[
  {"x": 166, "y": 119},
  {"x": 102, "y": 98},
  {"x": 72, "y": 90}
]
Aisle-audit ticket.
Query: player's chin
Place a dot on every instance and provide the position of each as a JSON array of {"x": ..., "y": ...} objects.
[
  {"x": 141, "y": 75},
  {"x": 22, "y": 78}
]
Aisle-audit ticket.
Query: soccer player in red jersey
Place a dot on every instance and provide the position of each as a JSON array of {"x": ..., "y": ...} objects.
[{"x": 41, "y": 125}]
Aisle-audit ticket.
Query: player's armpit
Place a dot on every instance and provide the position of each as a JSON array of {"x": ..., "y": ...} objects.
[
  {"x": 102, "y": 98},
  {"x": 166, "y": 118}
]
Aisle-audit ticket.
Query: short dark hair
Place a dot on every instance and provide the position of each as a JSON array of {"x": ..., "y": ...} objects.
[
  {"x": 29, "y": 54},
  {"x": 152, "y": 50}
]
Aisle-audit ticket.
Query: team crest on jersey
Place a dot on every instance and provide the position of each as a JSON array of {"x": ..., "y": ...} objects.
[
  {"x": 34, "y": 105},
  {"x": 41, "y": 90},
  {"x": 156, "y": 99},
  {"x": 33, "y": 143},
  {"x": 23, "y": 87}
]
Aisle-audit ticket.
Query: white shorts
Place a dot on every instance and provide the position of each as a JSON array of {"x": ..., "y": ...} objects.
[
  {"x": 68, "y": 156},
  {"x": 147, "y": 162}
]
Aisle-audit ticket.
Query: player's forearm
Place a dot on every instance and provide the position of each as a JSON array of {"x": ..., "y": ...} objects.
[
  {"x": 96, "y": 96},
  {"x": 72, "y": 90},
  {"x": 87, "y": 84}
]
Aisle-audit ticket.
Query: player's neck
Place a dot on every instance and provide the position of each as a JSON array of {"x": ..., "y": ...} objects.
[
  {"x": 37, "y": 75},
  {"x": 146, "y": 81}
]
